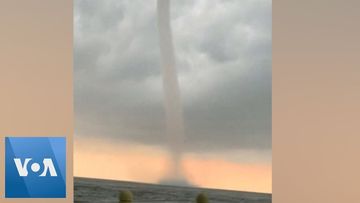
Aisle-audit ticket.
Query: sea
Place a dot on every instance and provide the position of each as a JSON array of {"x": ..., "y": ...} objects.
[{"x": 88, "y": 190}]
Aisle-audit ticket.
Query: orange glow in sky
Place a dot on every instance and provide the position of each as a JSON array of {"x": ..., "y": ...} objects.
[{"x": 134, "y": 162}]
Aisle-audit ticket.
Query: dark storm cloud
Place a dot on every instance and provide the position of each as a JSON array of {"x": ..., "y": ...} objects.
[{"x": 223, "y": 52}]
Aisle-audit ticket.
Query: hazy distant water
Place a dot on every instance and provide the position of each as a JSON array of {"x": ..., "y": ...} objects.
[{"x": 97, "y": 191}]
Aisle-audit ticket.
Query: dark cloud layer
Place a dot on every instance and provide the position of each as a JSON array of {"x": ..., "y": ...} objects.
[{"x": 223, "y": 53}]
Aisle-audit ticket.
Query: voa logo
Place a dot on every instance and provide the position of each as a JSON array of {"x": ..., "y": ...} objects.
[{"x": 35, "y": 167}]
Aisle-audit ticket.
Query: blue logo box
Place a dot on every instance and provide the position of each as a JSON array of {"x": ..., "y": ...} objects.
[{"x": 35, "y": 167}]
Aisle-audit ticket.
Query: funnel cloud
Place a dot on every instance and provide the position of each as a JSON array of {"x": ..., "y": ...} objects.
[{"x": 172, "y": 100}]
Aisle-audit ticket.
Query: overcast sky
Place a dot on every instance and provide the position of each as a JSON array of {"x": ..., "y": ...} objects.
[{"x": 223, "y": 55}]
